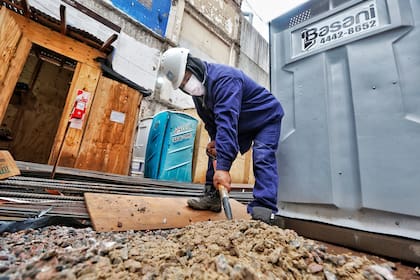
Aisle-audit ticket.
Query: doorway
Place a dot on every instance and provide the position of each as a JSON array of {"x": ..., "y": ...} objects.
[{"x": 32, "y": 118}]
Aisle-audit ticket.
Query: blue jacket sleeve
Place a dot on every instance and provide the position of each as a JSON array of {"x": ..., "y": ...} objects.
[{"x": 227, "y": 107}]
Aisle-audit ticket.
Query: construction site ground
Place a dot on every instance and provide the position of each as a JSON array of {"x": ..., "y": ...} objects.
[{"x": 238, "y": 249}]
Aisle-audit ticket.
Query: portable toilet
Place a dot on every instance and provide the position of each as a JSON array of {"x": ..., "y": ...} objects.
[
  {"x": 347, "y": 74},
  {"x": 170, "y": 146},
  {"x": 139, "y": 151}
]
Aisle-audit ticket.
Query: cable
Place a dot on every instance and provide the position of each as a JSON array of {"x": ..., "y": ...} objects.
[{"x": 255, "y": 12}]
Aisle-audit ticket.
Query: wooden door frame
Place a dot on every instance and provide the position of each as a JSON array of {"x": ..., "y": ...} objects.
[{"x": 86, "y": 76}]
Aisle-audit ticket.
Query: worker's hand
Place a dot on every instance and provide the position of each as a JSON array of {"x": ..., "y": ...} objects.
[
  {"x": 211, "y": 149},
  {"x": 222, "y": 177}
]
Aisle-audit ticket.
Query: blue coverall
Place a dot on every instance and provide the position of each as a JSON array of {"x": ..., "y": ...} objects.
[{"x": 237, "y": 112}]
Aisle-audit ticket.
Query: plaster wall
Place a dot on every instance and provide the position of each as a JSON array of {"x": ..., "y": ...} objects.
[
  {"x": 254, "y": 54},
  {"x": 224, "y": 14}
]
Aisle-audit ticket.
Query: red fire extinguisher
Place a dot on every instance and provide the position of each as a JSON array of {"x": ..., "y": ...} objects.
[{"x": 79, "y": 108}]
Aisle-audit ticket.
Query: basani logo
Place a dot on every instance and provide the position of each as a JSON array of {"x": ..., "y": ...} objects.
[{"x": 350, "y": 22}]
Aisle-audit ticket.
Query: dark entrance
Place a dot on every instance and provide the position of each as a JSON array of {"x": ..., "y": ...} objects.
[{"x": 34, "y": 111}]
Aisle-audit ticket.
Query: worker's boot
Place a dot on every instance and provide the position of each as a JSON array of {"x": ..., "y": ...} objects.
[
  {"x": 210, "y": 200},
  {"x": 266, "y": 215}
]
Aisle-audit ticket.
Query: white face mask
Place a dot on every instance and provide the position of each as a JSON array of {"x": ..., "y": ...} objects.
[{"x": 194, "y": 87}]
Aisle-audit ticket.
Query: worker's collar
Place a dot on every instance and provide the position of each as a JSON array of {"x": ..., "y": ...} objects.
[{"x": 197, "y": 68}]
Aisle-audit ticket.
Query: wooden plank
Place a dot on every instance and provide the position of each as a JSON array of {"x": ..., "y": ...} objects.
[
  {"x": 122, "y": 212},
  {"x": 108, "y": 42},
  {"x": 200, "y": 160},
  {"x": 8, "y": 45},
  {"x": 59, "y": 137},
  {"x": 9, "y": 38},
  {"x": 26, "y": 8},
  {"x": 55, "y": 41},
  {"x": 93, "y": 15},
  {"x": 248, "y": 169},
  {"x": 85, "y": 77},
  {"x": 63, "y": 22},
  {"x": 108, "y": 141},
  {"x": 15, "y": 68},
  {"x": 8, "y": 166}
]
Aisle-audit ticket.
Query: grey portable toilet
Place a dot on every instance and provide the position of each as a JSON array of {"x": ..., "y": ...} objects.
[
  {"x": 139, "y": 151},
  {"x": 348, "y": 75}
]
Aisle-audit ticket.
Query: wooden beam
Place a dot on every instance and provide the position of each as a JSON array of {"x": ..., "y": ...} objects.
[
  {"x": 7, "y": 86},
  {"x": 55, "y": 41},
  {"x": 92, "y": 14},
  {"x": 109, "y": 212},
  {"x": 63, "y": 24},
  {"x": 36, "y": 70},
  {"x": 8, "y": 41},
  {"x": 26, "y": 8},
  {"x": 14, "y": 49},
  {"x": 109, "y": 42}
]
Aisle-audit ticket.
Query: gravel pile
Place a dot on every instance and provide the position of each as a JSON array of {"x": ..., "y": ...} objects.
[{"x": 208, "y": 250}]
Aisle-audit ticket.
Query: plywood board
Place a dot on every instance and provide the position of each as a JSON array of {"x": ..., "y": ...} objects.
[
  {"x": 16, "y": 65},
  {"x": 110, "y": 212},
  {"x": 39, "y": 110},
  {"x": 110, "y": 130},
  {"x": 85, "y": 77},
  {"x": 9, "y": 38},
  {"x": 14, "y": 49}
]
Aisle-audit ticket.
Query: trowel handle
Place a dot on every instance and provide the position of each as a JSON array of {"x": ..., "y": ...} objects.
[
  {"x": 222, "y": 190},
  {"x": 225, "y": 201}
]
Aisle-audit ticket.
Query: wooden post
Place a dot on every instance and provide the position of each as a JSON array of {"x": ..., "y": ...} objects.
[{"x": 59, "y": 150}]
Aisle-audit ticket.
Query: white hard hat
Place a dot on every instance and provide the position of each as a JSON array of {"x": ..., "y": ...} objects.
[{"x": 173, "y": 65}]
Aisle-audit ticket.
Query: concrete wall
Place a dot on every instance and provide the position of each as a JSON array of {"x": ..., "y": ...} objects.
[
  {"x": 213, "y": 30},
  {"x": 254, "y": 46},
  {"x": 254, "y": 56},
  {"x": 223, "y": 15}
]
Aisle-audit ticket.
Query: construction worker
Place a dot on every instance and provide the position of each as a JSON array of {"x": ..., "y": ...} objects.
[{"x": 237, "y": 113}]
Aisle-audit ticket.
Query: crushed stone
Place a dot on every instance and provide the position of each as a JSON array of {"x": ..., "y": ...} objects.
[{"x": 235, "y": 249}]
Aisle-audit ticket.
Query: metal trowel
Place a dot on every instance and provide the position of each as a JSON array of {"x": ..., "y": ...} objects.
[
  {"x": 222, "y": 192},
  {"x": 225, "y": 201}
]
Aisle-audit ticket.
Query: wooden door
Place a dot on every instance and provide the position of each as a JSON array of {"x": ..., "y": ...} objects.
[
  {"x": 67, "y": 141},
  {"x": 110, "y": 130}
]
